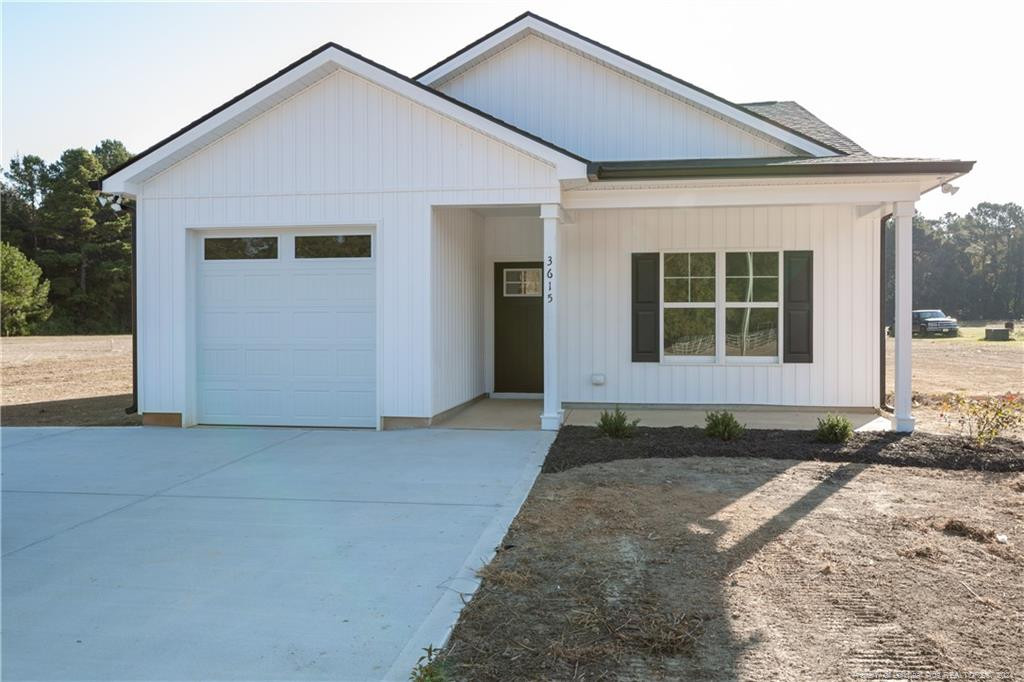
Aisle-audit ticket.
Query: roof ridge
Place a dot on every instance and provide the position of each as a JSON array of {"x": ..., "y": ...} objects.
[
  {"x": 634, "y": 60},
  {"x": 341, "y": 48}
]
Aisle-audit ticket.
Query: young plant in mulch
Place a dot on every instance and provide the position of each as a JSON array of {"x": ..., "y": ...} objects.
[
  {"x": 833, "y": 428},
  {"x": 616, "y": 424},
  {"x": 722, "y": 425},
  {"x": 983, "y": 419}
]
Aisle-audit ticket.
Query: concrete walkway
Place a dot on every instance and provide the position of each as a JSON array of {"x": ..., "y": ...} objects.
[{"x": 246, "y": 554}]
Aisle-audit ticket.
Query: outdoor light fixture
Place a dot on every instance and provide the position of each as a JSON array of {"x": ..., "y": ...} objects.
[
  {"x": 116, "y": 201},
  {"x": 949, "y": 189}
]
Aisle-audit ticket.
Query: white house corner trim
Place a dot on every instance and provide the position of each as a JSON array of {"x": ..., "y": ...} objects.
[
  {"x": 551, "y": 418},
  {"x": 903, "y": 216}
]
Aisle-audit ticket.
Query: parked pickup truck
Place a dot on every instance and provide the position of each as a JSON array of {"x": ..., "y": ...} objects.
[{"x": 925, "y": 322}]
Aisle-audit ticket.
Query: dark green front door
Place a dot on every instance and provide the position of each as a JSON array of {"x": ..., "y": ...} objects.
[{"x": 518, "y": 328}]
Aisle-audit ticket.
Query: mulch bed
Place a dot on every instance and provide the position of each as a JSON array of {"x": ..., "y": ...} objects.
[{"x": 581, "y": 445}]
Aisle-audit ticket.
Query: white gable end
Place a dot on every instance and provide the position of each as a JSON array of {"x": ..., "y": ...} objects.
[
  {"x": 345, "y": 135},
  {"x": 601, "y": 113}
]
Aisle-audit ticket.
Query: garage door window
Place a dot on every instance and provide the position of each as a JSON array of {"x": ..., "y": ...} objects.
[
  {"x": 334, "y": 246},
  {"x": 240, "y": 248}
]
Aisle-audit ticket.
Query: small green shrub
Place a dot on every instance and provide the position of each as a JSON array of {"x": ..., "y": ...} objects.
[
  {"x": 429, "y": 668},
  {"x": 834, "y": 428},
  {"x": 616, "y": 424},
  {"x": 722, "y": 425},
  {"x": 982, "y": 419}
]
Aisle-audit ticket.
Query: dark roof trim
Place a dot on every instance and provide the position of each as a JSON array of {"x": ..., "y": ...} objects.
[
  {"x": 636, "y": 61},
  {"x": 765, "y": 167},
  {"x": 300, "y": 62}
]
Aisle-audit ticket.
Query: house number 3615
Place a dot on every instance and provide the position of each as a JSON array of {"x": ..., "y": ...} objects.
[{"x": 549, "y": 275}]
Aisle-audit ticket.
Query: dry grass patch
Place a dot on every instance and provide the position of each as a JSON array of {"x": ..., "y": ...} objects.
[{"x": 722, "y": 569}]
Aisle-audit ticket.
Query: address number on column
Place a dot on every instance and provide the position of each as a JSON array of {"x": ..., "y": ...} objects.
[{"x": 549, "y": 275}]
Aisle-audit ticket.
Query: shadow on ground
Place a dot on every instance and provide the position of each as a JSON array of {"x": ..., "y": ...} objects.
[
  {"x": 621, "y": 569},
  {"x": 104, "y": 410}
]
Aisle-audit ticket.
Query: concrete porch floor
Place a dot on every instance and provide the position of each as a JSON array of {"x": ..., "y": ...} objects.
[{"x": 524, "y": 415}]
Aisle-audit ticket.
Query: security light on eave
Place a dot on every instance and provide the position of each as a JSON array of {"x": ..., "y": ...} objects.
[{"x": 949, "y": 189}]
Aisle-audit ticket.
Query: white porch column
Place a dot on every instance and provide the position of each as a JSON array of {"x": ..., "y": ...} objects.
[
  {"x": 551, "y": 417},
  {"x": 903, "y": 217}
]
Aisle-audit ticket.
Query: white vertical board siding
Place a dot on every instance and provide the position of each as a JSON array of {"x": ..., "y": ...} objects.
[
  {"x": 342, "y": 152},
  {"x": 596, "y": 111},
  {"x": 506, "y": 239},
  {"x": 457, "y": 307},
  {"x": 595, "y": 310}
]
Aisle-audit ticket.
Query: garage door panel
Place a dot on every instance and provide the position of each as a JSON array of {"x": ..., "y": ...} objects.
[
  {"x": 264, "y": 324},
  {"x": 266, "y": 362},
  {"x": 357, "y": 364},
  {"x": 287, "y": 342},
  {"x": 224, "y": 403},
  {"x": 355, "y": 286},
  {"x": 264, "y": 402},
  {"x": 312, "y": 287},
  {"x": 219, "y": 289},
  {"x": 314, "y": 363},
  {"x": 220, "y": 325},
  {"x": 313, "y": 324},
  {"x": 356, "y": 325},
  {"x": 224, "y": 362}
]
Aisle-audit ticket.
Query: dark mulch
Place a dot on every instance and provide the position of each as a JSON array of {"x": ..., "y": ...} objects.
[{"x": 580, "y": 445}]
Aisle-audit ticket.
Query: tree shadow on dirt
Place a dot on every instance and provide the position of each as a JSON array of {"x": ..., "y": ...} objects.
[
  {"x": 624, "y": 570},
  {"x": 104, "y": 410}
]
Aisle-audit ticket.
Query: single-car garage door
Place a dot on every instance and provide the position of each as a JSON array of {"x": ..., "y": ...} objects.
[{"x": 285, "y": 328}]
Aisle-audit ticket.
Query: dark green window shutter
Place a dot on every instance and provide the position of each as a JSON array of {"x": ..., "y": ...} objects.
[
  {"x": 646, "y": 275},
  {"x": 798, "y": 303}
]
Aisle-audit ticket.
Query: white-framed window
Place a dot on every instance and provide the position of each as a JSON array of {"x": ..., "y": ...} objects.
[
  {"x": 333, "y": 246},
  {"x": 688, "y": 306},
  {"x": 521, "y": 282},
  {"x": 721, "y": 306}
]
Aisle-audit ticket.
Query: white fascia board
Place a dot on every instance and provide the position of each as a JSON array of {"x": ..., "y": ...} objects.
[
  {"x": 510, "y": 34},
  {"x": 133, "y": 175},
  {"x": 717, "y": 193}
]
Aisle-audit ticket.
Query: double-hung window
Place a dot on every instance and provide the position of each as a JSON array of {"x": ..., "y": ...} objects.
[
  {"x": 720, "y": 306},
  {"x": 688, "y": 306}
]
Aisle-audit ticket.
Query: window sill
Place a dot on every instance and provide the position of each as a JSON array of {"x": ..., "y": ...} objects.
[{"x": 727, "y": 363}]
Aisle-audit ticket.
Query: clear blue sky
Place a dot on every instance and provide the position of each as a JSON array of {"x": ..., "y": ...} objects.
[{"x": 902, "y": 78}]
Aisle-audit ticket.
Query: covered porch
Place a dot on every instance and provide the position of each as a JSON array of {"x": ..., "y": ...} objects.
[{"x": 572, "y": 258}]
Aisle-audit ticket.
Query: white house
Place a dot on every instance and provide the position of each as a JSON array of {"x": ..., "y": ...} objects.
[{"x": 342, "y": 245}]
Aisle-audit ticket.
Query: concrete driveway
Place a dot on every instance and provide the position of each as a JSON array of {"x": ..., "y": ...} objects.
[{"x": 255, "y": 554}]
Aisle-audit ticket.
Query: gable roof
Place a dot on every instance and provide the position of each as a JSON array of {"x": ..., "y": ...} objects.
[
  {"x": 798, "y": 118},
  {"x": 528, "y": 22},
  {"x": 304, "y": 72}
]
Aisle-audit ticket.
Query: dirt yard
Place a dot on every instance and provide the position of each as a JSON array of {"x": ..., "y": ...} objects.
[
  {"x": 752, "y": 569},
  {"x": 964, "y": 364},
  {"x": 66, "y": 380}
]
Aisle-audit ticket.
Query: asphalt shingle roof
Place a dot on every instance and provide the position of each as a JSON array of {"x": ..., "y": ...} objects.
[{"x": 792, "y": 115}]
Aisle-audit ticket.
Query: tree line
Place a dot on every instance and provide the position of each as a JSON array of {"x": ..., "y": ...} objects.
[
  {"x": 67, "y": 260},
  {"x": 50, "y": 214},
  {"x": 969, "y": 266}
]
